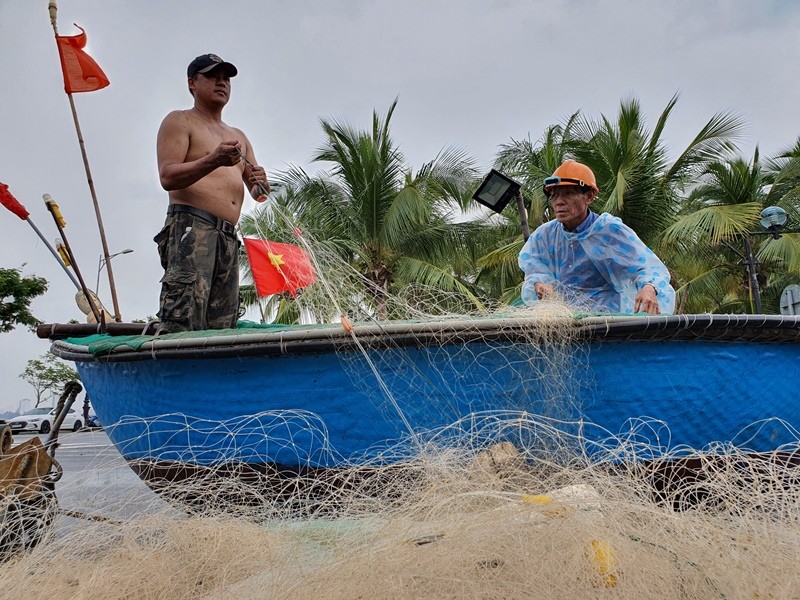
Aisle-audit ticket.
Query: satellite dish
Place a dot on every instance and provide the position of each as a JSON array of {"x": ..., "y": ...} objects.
[{"x": 790, "y": 300}]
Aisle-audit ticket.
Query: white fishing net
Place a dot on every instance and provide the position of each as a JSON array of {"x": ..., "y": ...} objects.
[{"x": 466, "y": 520}]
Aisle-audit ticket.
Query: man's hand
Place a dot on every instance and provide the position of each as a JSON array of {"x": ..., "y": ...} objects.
[
  {"x": 227, "y": 154},
  {"x": 647, "y": 300},
  {"x": 544, "y": 290},
  {"x": 258, "y": 180}
]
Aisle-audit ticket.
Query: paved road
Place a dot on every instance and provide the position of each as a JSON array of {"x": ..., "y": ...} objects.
[{"x": 96, "y": 479}]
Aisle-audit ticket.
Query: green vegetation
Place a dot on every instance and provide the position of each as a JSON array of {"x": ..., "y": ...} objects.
[
  {"x": 48, "y": 375},
  {"x": 16, "y": 293},
  {"x": 398, "y": 228},
  {"x": 391, "y": 225}
]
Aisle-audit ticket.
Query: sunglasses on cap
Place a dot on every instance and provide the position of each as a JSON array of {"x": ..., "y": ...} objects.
[
  {"x": 551, "y": 181},
  {"x": 554, "y": 181}
]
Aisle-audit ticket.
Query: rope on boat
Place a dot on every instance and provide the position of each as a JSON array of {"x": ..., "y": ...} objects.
[{"x": 757, "y": 328}]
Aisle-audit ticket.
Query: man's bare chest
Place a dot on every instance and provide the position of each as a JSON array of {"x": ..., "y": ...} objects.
[{"x": 204, "y": 139}]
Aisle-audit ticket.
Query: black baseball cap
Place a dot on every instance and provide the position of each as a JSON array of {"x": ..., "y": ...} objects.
[{"x": 209, "y": 62}]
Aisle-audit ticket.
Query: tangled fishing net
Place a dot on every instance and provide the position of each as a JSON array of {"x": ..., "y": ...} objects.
[
  {"x": 466, "y": 520},
  {"x": 497, "y": 503}
]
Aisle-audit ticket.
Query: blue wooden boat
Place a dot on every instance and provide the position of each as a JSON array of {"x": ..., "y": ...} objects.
[{"x": 295, "y": 399}]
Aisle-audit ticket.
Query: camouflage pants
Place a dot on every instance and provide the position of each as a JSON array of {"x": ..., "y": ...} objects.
[{"x": 200, "y": 287}]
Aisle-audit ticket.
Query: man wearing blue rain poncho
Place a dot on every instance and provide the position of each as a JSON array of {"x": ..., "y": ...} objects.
[{"x": 593, "y": 261}]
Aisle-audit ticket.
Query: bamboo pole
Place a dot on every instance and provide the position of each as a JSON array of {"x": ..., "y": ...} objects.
[{"x": 53, "y": 10}]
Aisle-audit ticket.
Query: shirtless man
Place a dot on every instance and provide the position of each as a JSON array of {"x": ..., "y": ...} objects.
[{"x": 205, "y": 166}]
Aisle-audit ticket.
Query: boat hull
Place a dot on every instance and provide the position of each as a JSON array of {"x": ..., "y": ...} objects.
[{"x": 642, "y": 395}]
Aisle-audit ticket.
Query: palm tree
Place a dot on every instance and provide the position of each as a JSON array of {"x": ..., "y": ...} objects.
[
  {"x": 530, "y": 164},
  {"x": 784, "y": 252},
  {"x": 637, "y": 181},
  {"x": 371, "y": 212},
  {"x": 719, "y": 218}
]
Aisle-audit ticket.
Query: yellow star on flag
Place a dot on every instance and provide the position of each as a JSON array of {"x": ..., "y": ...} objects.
[{"x": 276, "y": 260}]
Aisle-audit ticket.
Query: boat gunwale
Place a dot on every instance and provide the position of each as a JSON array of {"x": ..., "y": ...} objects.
[{"x": 306, "y": 340}]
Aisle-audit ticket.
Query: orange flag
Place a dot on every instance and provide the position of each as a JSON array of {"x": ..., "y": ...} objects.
[
  {"x": 11, "y": 203},
  {"x": 81, "y": 73},
  {"x": 278, "y": 267}
]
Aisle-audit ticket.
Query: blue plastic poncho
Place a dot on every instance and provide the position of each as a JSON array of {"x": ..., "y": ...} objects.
[{"x": 600, "y": 267}]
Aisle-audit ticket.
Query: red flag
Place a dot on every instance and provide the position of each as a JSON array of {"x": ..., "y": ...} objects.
[
  {"x": 81, "y": 73},
  {"x": 11, "y": 203},
  {"x": 278, "y": 267}
]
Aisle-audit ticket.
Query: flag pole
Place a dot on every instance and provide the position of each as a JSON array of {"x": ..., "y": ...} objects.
[{"x": 53, "y": 10}]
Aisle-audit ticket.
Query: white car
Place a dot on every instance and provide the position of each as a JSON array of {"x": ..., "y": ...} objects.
[{"x": 41, "y": 420}]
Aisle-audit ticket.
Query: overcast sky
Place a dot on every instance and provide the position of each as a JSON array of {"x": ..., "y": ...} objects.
[{"x": 468, "y": 73}]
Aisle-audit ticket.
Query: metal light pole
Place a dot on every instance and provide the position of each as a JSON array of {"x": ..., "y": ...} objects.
[
  {"x": 750, "y": 262},
  {"x": 773, "y": 220},
  {"x": 102, "y": 263}
]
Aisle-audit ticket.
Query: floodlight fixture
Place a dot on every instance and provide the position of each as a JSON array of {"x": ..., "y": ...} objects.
[{"x": 496, "y": 191}]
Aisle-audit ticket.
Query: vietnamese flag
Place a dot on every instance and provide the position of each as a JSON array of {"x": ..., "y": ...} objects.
[
  {"x": 11, "y": 203},
  {"x": 81, "y": 73},
  {"x": 278, "y": 267}
]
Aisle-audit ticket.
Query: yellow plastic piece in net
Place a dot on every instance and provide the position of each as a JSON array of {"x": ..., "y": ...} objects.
[{"x": 604, "y": 561}]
